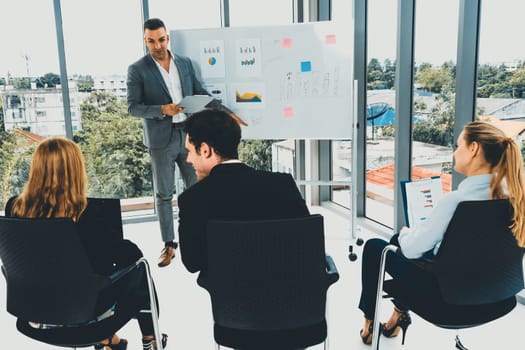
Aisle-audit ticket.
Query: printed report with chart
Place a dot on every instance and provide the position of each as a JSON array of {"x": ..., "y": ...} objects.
[{"x": 419, "y": 198}]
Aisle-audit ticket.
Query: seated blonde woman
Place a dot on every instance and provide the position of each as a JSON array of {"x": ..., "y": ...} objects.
[{"x": 493, "y": 166}]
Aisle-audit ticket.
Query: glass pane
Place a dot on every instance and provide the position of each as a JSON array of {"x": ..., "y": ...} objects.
[
  {"x": 341, "y": 153},
  {"x": 97, "y": 59},
  {"x": 341, "y": 150},
  {"x": 254, "y": 13},
  {"x": 434, "y": 93},
  {"x": 187, "y": 14},
  {"x": 381, "y": 96},
  {"x": 501, "y": 70},
  {"x": 29, "y": 53},
  {"x": 342, "y": 11}
]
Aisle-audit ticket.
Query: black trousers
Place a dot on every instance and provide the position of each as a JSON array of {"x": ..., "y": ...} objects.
[
  {"x": 131, "y": 295},
  {"x": 407, "y": 271}
]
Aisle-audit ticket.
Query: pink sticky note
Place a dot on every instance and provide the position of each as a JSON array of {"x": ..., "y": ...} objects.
[
  {"x": 286, "y": 43},
  {"x": 330, "y": 39},
  {"x": 288, "y": 112}
]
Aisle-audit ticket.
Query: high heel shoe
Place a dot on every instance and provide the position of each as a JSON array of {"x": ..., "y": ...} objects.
[
  {"x": 121, "y": 345},
  {"x": 151, "y": 344},
  {"x": 368, "y": 338},
  {"x": 402, "y": 324}
]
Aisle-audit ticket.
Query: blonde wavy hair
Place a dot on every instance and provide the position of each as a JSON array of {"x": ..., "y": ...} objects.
[
  {"x": 57, "y": 182},
  {"x": 504, "y": 157}
]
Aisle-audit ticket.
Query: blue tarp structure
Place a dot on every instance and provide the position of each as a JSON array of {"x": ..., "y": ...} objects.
[
  {"x": 381, "y": 114},
  {"x": 388, "y": 118}
]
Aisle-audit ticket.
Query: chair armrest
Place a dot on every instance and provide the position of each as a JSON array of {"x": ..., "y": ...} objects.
[
  {"x": 123, "y": 271},
  {"x": 333, "y": 274}
]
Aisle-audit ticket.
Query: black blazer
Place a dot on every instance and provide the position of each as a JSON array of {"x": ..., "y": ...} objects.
[
  {"x": 233, "y": 191},
  {"x": 107, "y": 252}
]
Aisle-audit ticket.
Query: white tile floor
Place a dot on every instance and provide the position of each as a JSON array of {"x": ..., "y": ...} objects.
[{"x": 186, "y": 311}]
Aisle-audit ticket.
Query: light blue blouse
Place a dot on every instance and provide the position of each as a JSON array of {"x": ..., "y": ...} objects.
[{"x": 430, "y": 234}]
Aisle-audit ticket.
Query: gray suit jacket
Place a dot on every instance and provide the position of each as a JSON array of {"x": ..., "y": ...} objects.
[{"x": 147, "y": 92}]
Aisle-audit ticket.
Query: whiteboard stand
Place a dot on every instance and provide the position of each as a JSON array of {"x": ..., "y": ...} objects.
[{"x": 354, "y": 234}]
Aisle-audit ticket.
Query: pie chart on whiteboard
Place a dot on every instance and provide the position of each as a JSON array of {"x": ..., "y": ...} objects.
[{"x": 212, "y": 61}]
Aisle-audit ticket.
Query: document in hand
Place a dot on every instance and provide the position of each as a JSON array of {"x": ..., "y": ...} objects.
[
  {"x": 195, "y": 103},
  {"x": 419, "y": 198}
]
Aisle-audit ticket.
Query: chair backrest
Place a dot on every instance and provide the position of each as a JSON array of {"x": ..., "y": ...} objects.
[
  {"x": 106, "y": 213},
  {"x": 49, "y": 277},
  {"x": 267, "y": 275},
  {"x": 479, "y": 260}
]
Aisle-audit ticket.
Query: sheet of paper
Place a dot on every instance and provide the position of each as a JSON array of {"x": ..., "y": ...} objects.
[
  {"x": 194, "y": 103},
  {"x": 422, "y": 196}
]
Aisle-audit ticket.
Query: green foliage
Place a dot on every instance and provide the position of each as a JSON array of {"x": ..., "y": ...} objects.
[
  {"x": 116, "y": 160},
  {"x": 257, "y": 153},
  {"x": 389, "y": 131},
  {"x": 493, "y": 82},
  {"x": 439, "y": 128},
  {"x": 21, "y": 83},
  {"x": 435, "y": 79},
  {"x": 85, "y": 83},
  {"x": 2, "y": 127},
  {"x": 49, "y": 80},
  {"x": 380, "y": 76},
  {"x": 517, "y": 82},
  {"x": 14, "y": 166}
]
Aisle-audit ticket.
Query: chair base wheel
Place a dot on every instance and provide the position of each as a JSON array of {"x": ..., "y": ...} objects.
[
  {"x": 351, "y": 255},
  {"x": 359, "y": 241}
]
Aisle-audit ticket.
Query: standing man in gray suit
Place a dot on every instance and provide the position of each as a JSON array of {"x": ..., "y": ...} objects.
[{"x": 156, "y": 83}]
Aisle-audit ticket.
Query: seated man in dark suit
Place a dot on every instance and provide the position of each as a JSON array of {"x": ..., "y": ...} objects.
[{"x": 226, "y": 188}]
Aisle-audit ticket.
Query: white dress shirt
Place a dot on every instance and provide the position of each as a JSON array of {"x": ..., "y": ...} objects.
[
  {"x": 172, "y": 80},
  {"x": 429, "y": 235}
]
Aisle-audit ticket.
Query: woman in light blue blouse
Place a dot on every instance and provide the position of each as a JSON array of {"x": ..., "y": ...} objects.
[{"x": 493, "y": 166}]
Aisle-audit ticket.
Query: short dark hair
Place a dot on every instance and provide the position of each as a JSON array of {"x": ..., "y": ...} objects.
[
  {"x": 154, "y": 23},
  {"x": 217, "y": 128}
]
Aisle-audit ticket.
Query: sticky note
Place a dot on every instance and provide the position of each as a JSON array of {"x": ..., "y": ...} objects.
[
  {"x": 306, "y": 66},
  {"x": 288, "y": 112},
  {"x": 286, "y": 43},
  {"x": 330, "y": 39}
]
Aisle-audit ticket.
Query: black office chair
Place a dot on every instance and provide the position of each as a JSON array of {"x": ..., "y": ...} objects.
[
  {"x": 50, "y": 281},
  {"x": 268, "y": 281},
  {"x": 478, "y": 271}
]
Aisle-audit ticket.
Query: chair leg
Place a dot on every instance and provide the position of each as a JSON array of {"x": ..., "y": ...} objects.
[
  {"x": 459, "y": 345},
  {"x": 326, "y": 342},
  {"x": 217, "y": 346},
  {"x": 380, "y": 280},
  {"x": 153, "y": 304}
]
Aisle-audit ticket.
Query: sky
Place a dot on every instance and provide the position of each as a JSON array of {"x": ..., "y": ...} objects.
[
  {"x": 436, "y": 30},
  {"x": 103, "y": 37}
]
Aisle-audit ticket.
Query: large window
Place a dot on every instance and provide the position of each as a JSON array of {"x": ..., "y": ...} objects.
[
  {"x": 255, "y": 13},
  {"x": 191, "y": 14},
  {"x": 434, "y": 89},
  {"x": 380, "y": 115},
  {"x": 501, "y": 70},
  {"x": 29, "y": 52},
  {"x": 99, "y": 46}
]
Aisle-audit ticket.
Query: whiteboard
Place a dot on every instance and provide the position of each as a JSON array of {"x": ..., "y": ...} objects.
[{"x": 291, "y": 81}]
